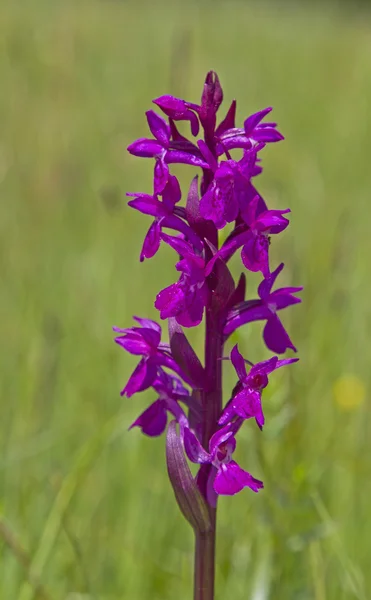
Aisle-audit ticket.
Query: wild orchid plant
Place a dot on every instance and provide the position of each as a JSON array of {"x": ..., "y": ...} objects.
[{"x": 187, "y": 392}]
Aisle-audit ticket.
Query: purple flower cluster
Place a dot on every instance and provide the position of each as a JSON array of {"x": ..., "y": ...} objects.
[{"x": 225, "y": 195}]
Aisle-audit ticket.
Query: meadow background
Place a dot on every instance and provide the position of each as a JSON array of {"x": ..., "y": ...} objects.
[{"x": 86, "y": 510}]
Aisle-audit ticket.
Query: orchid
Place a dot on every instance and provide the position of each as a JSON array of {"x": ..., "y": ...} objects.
[
  {"x": 227, "y": 477},
  {"x": 275, "y": 335},
  {"x": 187, "y": 401},
  {"x": 247, "y": 402}
]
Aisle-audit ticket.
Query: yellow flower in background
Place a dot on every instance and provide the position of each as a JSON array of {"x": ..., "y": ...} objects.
[{"x": 349, "y": 392}]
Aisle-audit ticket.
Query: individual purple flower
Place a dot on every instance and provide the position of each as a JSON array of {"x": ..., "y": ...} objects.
[
  {"x": 145, "y": 341},
  {"x": 246, "y": 402},
  {"x": 228, "y": 477},
  {"x": 254, "y": 132},
  {"x": 265, "y": 308},
  {"x": 254, "y": 240},
  {"x": 164, "y": 213},
  {"x": 186, "y": 299},
  {"x": 161, "y": 149},
  {"x": 226, "y": 195},
  {"x": 170, "y": 390}
]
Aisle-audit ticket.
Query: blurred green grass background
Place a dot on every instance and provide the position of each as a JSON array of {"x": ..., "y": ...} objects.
[{"x": 84, "y": 505}]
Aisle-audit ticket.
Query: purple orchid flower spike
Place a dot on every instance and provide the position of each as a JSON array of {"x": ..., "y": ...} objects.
[
  {"x": 186, "y": 299},
  {"x": 164, "y": 213},
  {"x": 145, "y": 341},
  {"x": 228, "y": 477},
  {"x": 246, "y": 403},
  {"x": 161, "y": 149},
  {"x": 170, "y": 390},
  {"x": 206, "y": 293},
  {"x": 275, "y": 335},
  {"x": 254, "y": 241}
]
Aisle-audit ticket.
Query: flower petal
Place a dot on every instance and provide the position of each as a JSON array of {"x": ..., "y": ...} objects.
[
  {"x": 231, "y": 479},
  {"x": 254, "y": 253},
  {"x": 159, "y": 128},
  {"x": 153, "y": 420},
  {"x": 227, "y": 415},
  {"x": 194, "y": 450},
  {"x": 283, "y": 298},
  {"x": 266, "y": 285},
  {"x": 193, "y": 310},
  {"x": 172, "y": 192},
  {"x": 187, "y": 158},
  {"x": 247, "y": 405},
  {"x": 246, "y": 312},
  {"x": 170, "y": 301},
  {"x": 253, "y": 120},
  {"x": 146, "y": 148},
  {"x": 276, "y": 337},
  {"x": 152, "y": 241},
  {"x": 160, "y": 175},
  {"x": 148, "y": 206},
  {"x": 272, "y": 221},
  {"x": 148, "y": 323},
  {"x": 142, "y": 378},
  {"x": 267, "y": 134},
  {"x": 238, "y": 362}
]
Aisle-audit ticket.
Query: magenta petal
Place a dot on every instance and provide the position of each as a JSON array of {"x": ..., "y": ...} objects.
[
  {"x": 272, "y": 221},
  {"x": 180, "y": 246},
  {"x": 193, "y": 310},
  {"x": 228, "y": 121},
  {"x": 265, "y": 367},
  {"x": 220, "y": 437},
  {"x": 286, "y": 361},
  {"x": 266, "y": 285},
  {"x": 227, "y": 415},
  {"x": 267, "y": 134},
  {"x": 160, "y": 176},
  {"x": 141, "y": 378},
  {"x": 148, "y": 206},
  {"x": 145, "y": 148},
  {"x": 172, "y": 192},
  {"x": 194, "y": 450},
  {"x": 247, "y": 312},
  {"x": 208, "y": 155},
  {"x": 153, "y": 420},
  {"x": 170, "y": 301},
  {"x": 254, "y": 254},
  {"x": 235, "y": 479},
  {"x": 281, "y": 299},
  {"x": 159, "y": 128},
  {"x": 133, "y": 343},
  {"x": 238, "y": 362},
  {"x": 276, "y": 337},
  {"x": 173, "y": 107},
  {"x": 187, "y": 158},
  {"x": 148, "y": 324},
  {"x": 210, "y": 209},
  {"x": 151, "y": 242},
  {"x": 247, "y": 404},
  {"x": 254, "y": 120},
  {"x": 231, "y": 479},
  {"x": 151, "y": 336},
  {"x": 174, "y": 222}
]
